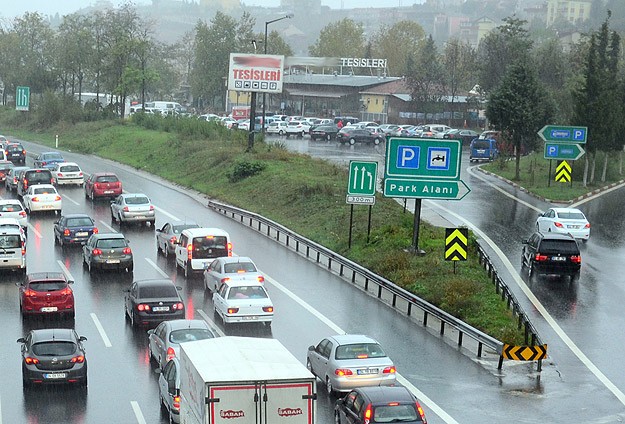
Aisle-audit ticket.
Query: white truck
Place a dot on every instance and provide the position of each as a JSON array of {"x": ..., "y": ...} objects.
[{"x": 244, "y": 380}]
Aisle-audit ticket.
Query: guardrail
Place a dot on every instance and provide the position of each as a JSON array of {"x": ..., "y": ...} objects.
[{"x": 372, "y": 283}]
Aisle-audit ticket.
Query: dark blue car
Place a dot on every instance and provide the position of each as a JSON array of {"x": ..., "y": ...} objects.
[
  {"x": 48, "y": 160},
  {"x": 74, "y": 229},
  {"x": 483, "y": 149}
]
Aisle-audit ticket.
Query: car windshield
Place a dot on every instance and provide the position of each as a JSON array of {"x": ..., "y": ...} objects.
[
  {"x": 360, "y": 351},
  {"x": 152, "y": 292},
  {"x": 247, "y": 292},
  {"x": 138, "y": 200},
  {"x": 69, "y": 168},
  {"x": 571, "y": 215},
  {"x": 566, "y": 247},
  {"x": 48, "y": 286},
  {"x": 393, "y": 413},
  {"x": 54, "y": 348},
  {"x": 209, "y": 247},
  {"x": 177, "y": 229},
  {"x": 190, "y": 335},
  {"x": 79, "y": 222},
  {"x": 233, "y": 268},
  {"x": 115, "y": 243},
  {"x": 107, "y": 179},
  {"x": 10, "y": 241},
  {"x": 10, "y": 208}
]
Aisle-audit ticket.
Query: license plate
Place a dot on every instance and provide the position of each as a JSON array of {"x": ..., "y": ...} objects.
[
  {"x": 558, "y": 258},
  {"x": 367, "y": 371},
  {"x": 47, "y": 206},
  {"x": 574, "y": 227},
  {"x": 140, "y": 217},
  {"x": 112, "y": 261},
  {"x": 82, "y": 234},
  {"x": 160, "y": 308},
  {"x": 49, "y": 309},
  {"x": 108, "y": 191},
  {"x": 55, "y": 375},
  {"x": 250, "y": 318}
]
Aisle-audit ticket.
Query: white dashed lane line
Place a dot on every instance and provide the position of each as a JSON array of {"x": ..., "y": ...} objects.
[
  {"x": 137, "y": 410},
  {"x": 98, "y": 325},
  {"x": 160, "y": 271}
]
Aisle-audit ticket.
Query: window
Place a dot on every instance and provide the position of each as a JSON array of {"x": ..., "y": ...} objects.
[
  {"x": 115, "y": 243},
  {"x": 54, "y": 348},
  {"x": 10, "y": 241},
  {"x": 359, "y": 351},
  {"x": 148, "y": 292},
  {"x": 234, "y": 268}
]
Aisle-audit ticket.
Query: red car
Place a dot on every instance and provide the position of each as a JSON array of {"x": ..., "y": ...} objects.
[
  {"x": 102, "y": 184},
  {"x": 46, "y": 293}
]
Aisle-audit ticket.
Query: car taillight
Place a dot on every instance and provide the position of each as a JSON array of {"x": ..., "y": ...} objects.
[
  {"x": 31, "y": 361},
  {"x": 267, "y": 308},
  {"x": 225, "y": 279},
  {"x": 576, "y": 259},
  {"x": 125, "y": 209},
  {"x": 23, "y": 214},
  {"x": 392, "y": 404},
  {"x": 233, "y": 310},
  {"x": 143, "y": 307},
  {"x": 59, "y": 174},
  {"x": 51, "y": 180},
  {"x": 229, "y": 249},
  {"x": 96, "y": 252},
  {"x": 30, "y": 293},
  {"x": 151, "y": 207},
  {"x": 127, "y": 251},
  {"x": 95, "y": 230},
  {"x": 171, "y": 353},
  {"x": 260, "y": 279},
  {"x": 43, "y": 163},
  {"x": 78, "y": 359},
  {"x": 173, "y": 240},
  {"x": 587, "y": 225},
  {"x": 66, "y": 232},
  {"x": 421, "y": 412},
  {"x": 176, "y": 403},
  {"x": 66, "y": 291},
  {"x": 368, "y": 413},
  {"x": 34, "y": 199},
  {"x": 389, "y": 370},
  {"x": 97, "y": 185},
  {"x": 57, "y": 198},
  {"x": 80, "y": 174},
  {"x": 189, "y": 251},
  {"x": 178, "y": 306},
  {"x": 342, "y": 372},
  {"x": 559, "y": 225},
  {"x": 540, "y": 258}
]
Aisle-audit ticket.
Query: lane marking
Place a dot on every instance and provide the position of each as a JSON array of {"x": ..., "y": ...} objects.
[
  {"x": 32, "y": 228},
  {"x": 541, "y": 309},
  {"x": 65, "y": 270},
  {"x": 70, "y": 199},
  {"x": 594, "y": 196},
  {"x": 137, "y": 410},
  {"x": 212, "y": 323},
  {"x": 111, "y": 229},
  {"x": 98, "y": 325},
  {"x": 160, "y": 271},
  {"x": 164, "y": 212}
]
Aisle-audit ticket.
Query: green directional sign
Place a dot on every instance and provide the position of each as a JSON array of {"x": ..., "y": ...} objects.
[
  {"x": 425, "y": 189},
  {"x": 433, "y": 159},
  {"x": 562, "y": 151},
  {"x": 563, "y": 134},
  {"x": 362, "y": 178},
  {"x": 22, "y": 98}
]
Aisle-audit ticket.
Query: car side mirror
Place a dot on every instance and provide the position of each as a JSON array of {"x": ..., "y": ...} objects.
[
  {"x": 178, "y": 288},
  {"x": 70, "y": 281},
  {"x": 21, "y": 340},
  {"x": 82, "y": 338},
  {"x": 525, "y": 241},
  {"x": 151, "y": 331},
  {"x": 311, "y": 348}
]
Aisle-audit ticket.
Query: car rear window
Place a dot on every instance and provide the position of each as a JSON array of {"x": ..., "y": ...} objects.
[
  {"x": 43, "y": 190},
  {"x": 190, "y": 335},
  {"x": 571, "y": 215},
  {"x": 239, "y": 266},
  {"x": 180, "y": 228},
  {"x": 15, "y": 148},
  {"x": 10, "y": 208},
  {"x": 481, "y": 145},
  {"x": 79, "y": 222},
  {"x": 54, "y": 348},
  {"x": 40, "y": 176},
  {"x": 210, "y": 247},
  {"x": 115, "y": 243},
  {"x": 151, "y": 292},
  {"x": 69, "y": 168},
  {"x": 137, "y": 200},
  {"x": 247, "y": 292},
  {"x": 559, "y": 246},
  {"x": 107, "y": 179},
  {"x": 360, "y": 351},
  {"x": 48, "y": 286},
  {"x": 393, "y": 413},
  {"x": 10, "y": 241}
]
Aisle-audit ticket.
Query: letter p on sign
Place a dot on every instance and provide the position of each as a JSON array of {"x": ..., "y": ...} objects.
[{"x": 408, "y": 157}]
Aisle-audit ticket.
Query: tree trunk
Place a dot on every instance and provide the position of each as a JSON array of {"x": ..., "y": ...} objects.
[
  {"x": 593, "y": 164},
  {"x": 620, "y": 162},
  {"x": 517, "y": 171},
  {"x": 585, "y": 179},
  {"x": 605, "y": 167}
]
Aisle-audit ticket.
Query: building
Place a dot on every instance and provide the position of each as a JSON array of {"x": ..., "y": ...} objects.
[{"x": 573, "y": 11}]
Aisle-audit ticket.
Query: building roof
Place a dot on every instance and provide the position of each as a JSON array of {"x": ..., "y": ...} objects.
[{"x": 336, "y": 80}]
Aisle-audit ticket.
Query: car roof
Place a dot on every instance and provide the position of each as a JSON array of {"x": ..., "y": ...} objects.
[
  {"x": 343, "y": 339},
  {"x": 10, "y": 202},
  {"x": 51, "y": 153},
  {"x": 179, "y": 324},
  {"x": 76, "y": 215},
  {"x": 385, "y": 394},
  {"x": 566, "y": 210},
  {"x": 557, "y": 236},
  {"x": 203, "y": 231},
  {"x": 49, "y": 334},
  {"x": 244, "y": 283},
  {"x": 108, "y": 236},
  {"x": 102, "y": 174},
  {"x": 127, "y": 195},
  {"x": 38, "y": 276},
  {"x": 234, "y": 259},
  {"x": 67, "y": 163},
  {"x": 154, "y": 282},
  {"x": 42, "y": 186}
]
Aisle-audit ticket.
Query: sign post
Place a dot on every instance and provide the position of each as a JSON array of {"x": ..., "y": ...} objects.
[
  {"x": 563, "y": 134},
  {"x": 361, "y": 189},
  {"x": 22, "y": 98}
]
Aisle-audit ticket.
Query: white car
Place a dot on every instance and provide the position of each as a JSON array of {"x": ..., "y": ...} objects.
[
  {"x": 13, "y": 208},
  {"x": 228, "y": 121},
  {"x": 67, "y": 173},
  {"x": 564, "y": 220},
  {"x": 243, "y": 301},
  {"x": 298, "y": 128},
  {"x": 42, "y": 198},
  {"x": 230, "y": 268},
  {"x": 12, "y": 223},
  {"x": 133, "y": 207},
  {"x": 276, "y": 127}
]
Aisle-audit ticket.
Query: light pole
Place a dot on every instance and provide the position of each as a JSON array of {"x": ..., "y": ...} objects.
[{"x": 287, "y": 16}]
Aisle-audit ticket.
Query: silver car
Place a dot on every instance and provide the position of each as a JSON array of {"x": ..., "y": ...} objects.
[
  {"x": 344, "y": 362},
  {"x": 167, "y": 236},
  {"x": 230, "y": 268},
  {"x": 132, "y": 207},
  {"x": 164, "y": 340}
]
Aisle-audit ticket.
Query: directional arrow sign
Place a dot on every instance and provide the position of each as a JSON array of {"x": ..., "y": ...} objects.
[
  {"x": 563, "y": 134},
  {"x": 362, "y": 178},
  {"x": 425, "y": 189},
  {"x": 561, "y": 151}
]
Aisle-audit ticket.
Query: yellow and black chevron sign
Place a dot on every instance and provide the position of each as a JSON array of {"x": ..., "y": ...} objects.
[
  {"x": 456, "y": 244},
  {"x": 524, "y": 353},
  {"x": 563, "y": 172}
]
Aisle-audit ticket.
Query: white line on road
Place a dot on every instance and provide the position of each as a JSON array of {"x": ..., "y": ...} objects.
[
  {"x": 32, "y": 229},
  {"x": 111, "y": 229},
  {"x": 105, "y": 338},
  {"x": 70, "y": 199},
  {"x": 211, "y": 322},
  {"x": 172, "y": 217},
  {"x": 137, "y": 410},
  {"x": 160, "y": 271},
  {"x": 65, "y": 270}
]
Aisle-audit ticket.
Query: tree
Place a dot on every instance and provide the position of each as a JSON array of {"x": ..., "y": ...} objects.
[
  {"x": 518, "y": 108},
  {"x": 555, "y": 70},
  {"x": 398, "y": 44},
  {"x": 460, "y": 67},
  {"x": 425, "y": 80},
  {"x": 344, "y": 38},
  {"x": 276, "y": 44}
]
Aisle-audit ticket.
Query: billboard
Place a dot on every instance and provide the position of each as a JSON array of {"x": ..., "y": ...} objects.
[{"x": 255, "y": 72}]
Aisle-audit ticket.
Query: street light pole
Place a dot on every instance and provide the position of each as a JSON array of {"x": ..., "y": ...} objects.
[{"x": 289, "y": 16}]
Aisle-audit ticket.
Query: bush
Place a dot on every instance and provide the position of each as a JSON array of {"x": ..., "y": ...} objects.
[{"x": 245, "y": 168}]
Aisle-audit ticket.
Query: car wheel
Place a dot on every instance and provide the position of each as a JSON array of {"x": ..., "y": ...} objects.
[
  {"x": 328, "y": 137},
  {"x": 337, "y": 417},
  {"x": 56, "y": 239},
  {"x": 352, "y": 141},
  {"x": 329, "y": 388},
  {"x": 152, "y": 225},
  {"x": 151, "y": 354},
  {"x": 130, "y": 268},
  {"x": 158, "y": 247},
  {"x": 303, "y": 133},
  {"x": 531, "y": 274},
  {"x": 537, "y": 227},
  {"x": 113, "y": 218},
  {"x": 574, "y": 277},
  {"x": 376, "y": 141},
  {"x": 90, "y": 267},
  {"x": 187, "y": 270},
  {"x": 166, "y": 251},
  {"x": 280, "y": 132},
  {"x": 133, "y": 319}
]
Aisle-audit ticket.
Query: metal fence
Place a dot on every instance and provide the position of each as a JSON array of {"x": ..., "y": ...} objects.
[{"x": 375, "y": 285}]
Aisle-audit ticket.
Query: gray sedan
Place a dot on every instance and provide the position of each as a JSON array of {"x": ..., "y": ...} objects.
[
  {"x": 167, "y": 236},
  {"x": 346, "y": 361},
  {"x": 132, "y": 207},
  {"x": 230, "y": 268},
  {"x": 164, "y": 341}
]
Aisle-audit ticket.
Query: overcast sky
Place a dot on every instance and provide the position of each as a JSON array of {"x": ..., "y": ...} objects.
[{"x": 13, "y": 8}]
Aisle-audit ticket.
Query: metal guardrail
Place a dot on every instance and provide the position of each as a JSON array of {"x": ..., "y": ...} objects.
[{"x": 372, "y": 283}]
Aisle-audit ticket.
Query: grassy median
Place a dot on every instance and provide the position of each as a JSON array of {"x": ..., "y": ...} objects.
[{"x": 302, "y": 193}]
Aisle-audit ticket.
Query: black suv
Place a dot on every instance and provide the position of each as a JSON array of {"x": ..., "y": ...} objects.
[
  {"x": 31, "y": 177},
  {"x": 379, "y": 404},
  {"x": 551, "y": 254},
  {"x": 15, "y": 153}
]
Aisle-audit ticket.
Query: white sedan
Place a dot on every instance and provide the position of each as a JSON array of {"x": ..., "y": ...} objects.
[
  {"x": 67, "y": 173},
  {"x": 243, "y": 301},
  {"x": 230, "y": 268},
  {"x": 13, "y": 208},
  {"x": 42, "y": 198},
  {"x": 564, "y": 220}
]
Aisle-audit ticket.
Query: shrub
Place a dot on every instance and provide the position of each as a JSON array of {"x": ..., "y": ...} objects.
[{"x": 245, "y": 168}]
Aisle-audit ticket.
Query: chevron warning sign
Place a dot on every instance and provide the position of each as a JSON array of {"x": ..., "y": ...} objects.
[
  {"x": 563, "y": 172},
  {"x": 456, "y": 241},
  {"x": 524, "y": 353}
]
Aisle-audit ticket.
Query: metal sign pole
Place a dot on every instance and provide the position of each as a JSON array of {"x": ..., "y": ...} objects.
[
  {"x": 369, "y": 224},
  {"x": 549, "y": 175},
  {"x": 415, "y": 230},
  {"x": 351, "y": 219}
]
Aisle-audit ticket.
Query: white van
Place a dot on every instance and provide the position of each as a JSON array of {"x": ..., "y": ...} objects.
[
  {"x": 12, "y": 249},
  {"x": 165, "y": 108},
  {"x": 197, "y": 247}
]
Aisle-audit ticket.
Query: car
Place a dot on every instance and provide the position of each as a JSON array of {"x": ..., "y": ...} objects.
[
  {"x": 379, "y": 404},
  {"x": 102, "y": 185},
  {"x": 483, "y": 149},
  {"x": 12, "y": 177},
  {"x": 133, "y": 207},
  {"x": 5, "y": 167},
  {"x": 153, "y": 301},
  {"x": 362, "y": 135},
  {"x": 229, "y": 122},
  {"x": 12, "y": 249},
  {"x": 42, "y": 198},
  {"x": 31, "y": 177},
  {"x": 164, "y": 340},
  {"x": 209, "y": 117},
  {"x": 565, "y": 221},
  {"x": 52, "y": 356},
  {"x": 276, "y": 127},
  {"x": 230, "y": 268},
  {"x": 169, "y": 389},
  {"x": 6, "y": 223},
  {"x": 404, "y": 131},
  {"x": 324, "y": 132},
  {"x": 346, "y": 361},
  {"x": 74, "y": 228},
  {"x": 434, "y": 130},
  {"x": 346, "y": 120},
  {"x": 167, "y": 236},
  {"x": 48, "y": 160},
  {"x": 107, "y": 251},
  {"x": 16, "y": 153},
  {"x": 13, "y": 208},
  {"x": 458, "y": 134},
  {"x": 242, "y": 301},
  {"x": 3, "y": 142},
  {"x": 388, "y": 129},
  {"x": 551, "y": 254},
  {"x": 198, "y": 247},
  {"x": 243, "y": 124},
  {"x": 45, "y": 294},
  {"x": 297, "y": 128},
  {"x": 67, "y": 173}
]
